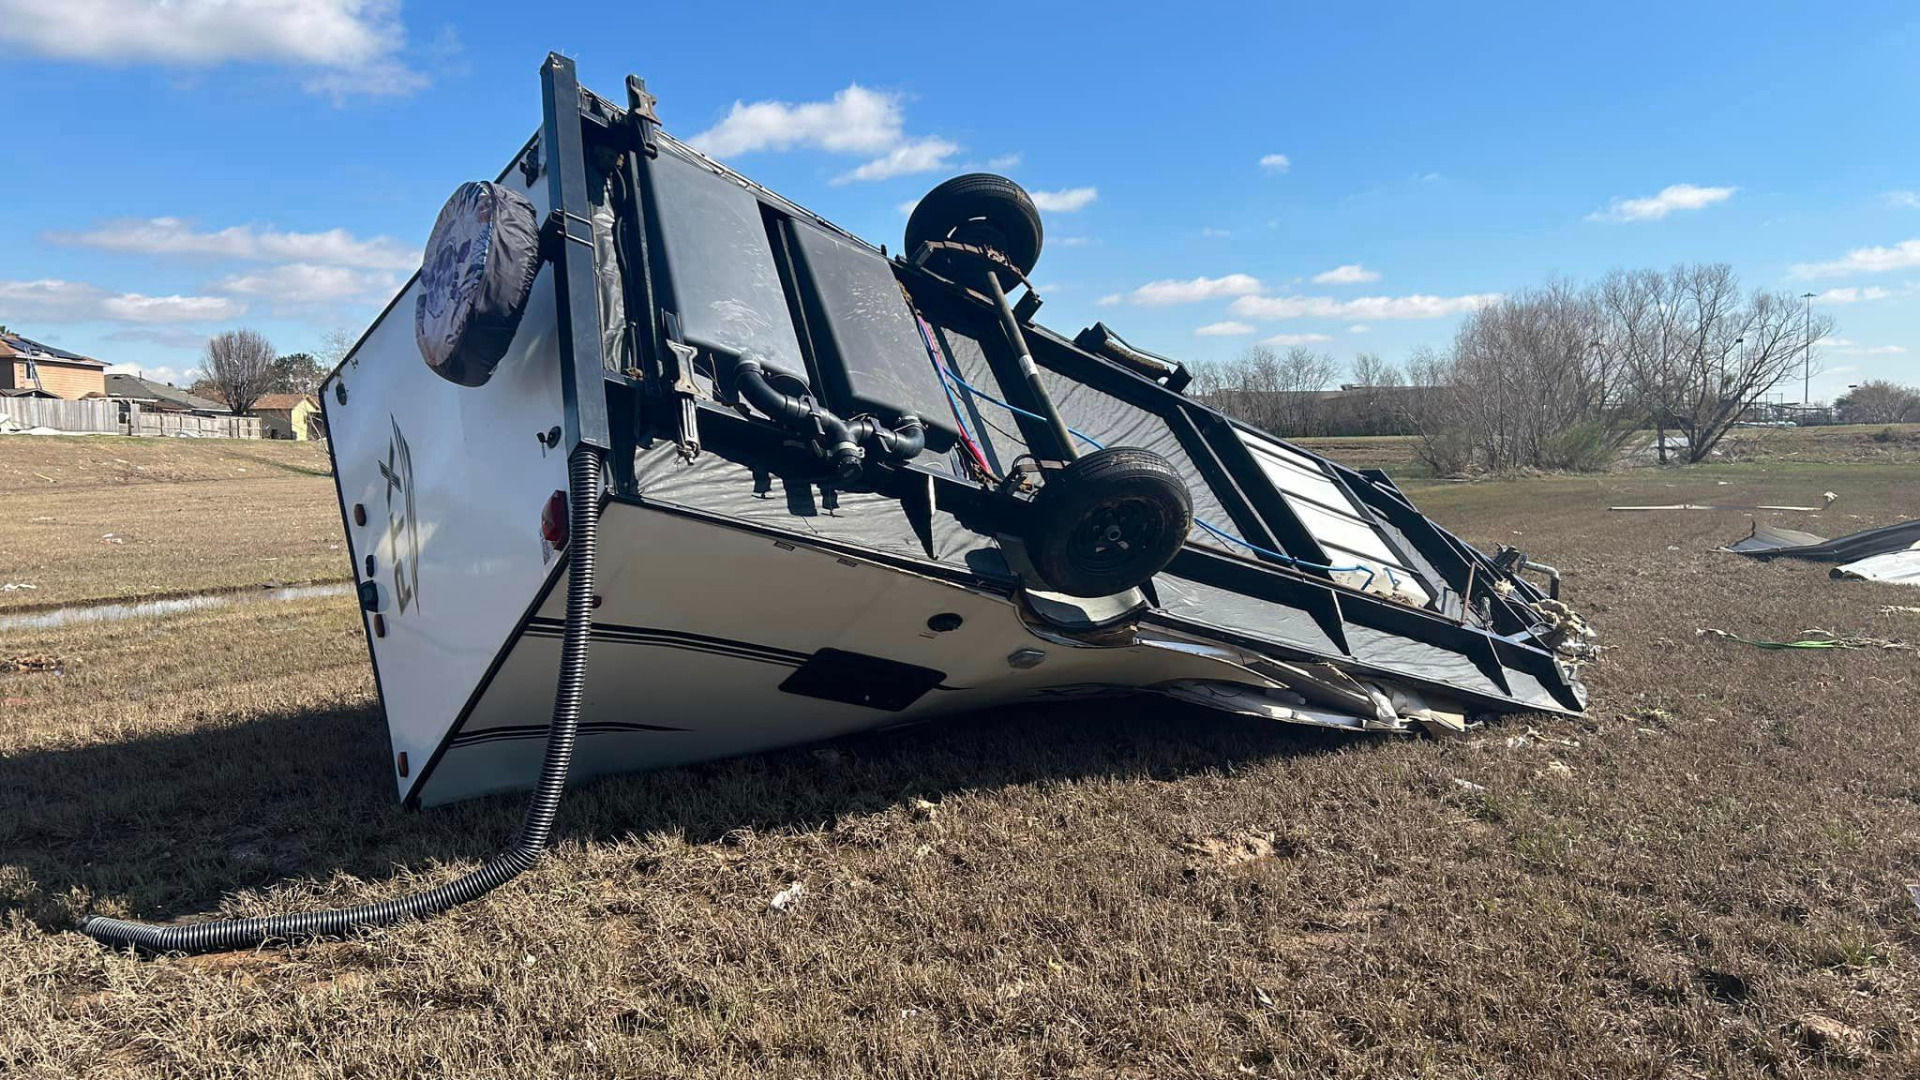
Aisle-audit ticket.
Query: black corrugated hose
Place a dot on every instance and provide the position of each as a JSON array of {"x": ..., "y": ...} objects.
[{"x": 535, "y": 828}]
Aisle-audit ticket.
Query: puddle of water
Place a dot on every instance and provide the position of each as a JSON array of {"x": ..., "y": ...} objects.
[{"x": 151, "y": 609}]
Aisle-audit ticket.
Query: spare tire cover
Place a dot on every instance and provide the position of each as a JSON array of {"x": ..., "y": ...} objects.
[{"x": 479, "y": 269}]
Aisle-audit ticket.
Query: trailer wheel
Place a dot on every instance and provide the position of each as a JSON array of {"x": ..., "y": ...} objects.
[
  {"x": 984, "y": 209},
  {"x": 1108, "y": 522}
]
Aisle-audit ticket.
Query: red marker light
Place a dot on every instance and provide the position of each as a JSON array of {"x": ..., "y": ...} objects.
[{"x": 553, "y": 520}]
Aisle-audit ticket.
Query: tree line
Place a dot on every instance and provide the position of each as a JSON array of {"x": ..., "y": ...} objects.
[{"x": 1559, "y": 376}]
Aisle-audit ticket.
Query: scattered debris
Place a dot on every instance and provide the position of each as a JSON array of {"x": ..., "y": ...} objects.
[
  {"x": 14, "y": 586},
  {"x": 1831, "y": 1038},
  {"x": 1826, "y": 500},
  {"x": 1468, "y": 785},
  {"x": 1889, "y": 553},
  {"x": 112, "y": 538},
  {"x": 1572, "y": 637},
  {"x": 1914, "y": 891},
  {"x": 786, "y": 898},
  {"x": 31, "y": 662},
  {"x": 1815, "y": 639},
  {"x": 1235, "y": 850},
  {"x": 1899, "y": 609},
  {"x": 924, "y": 810},
  {"x": 1559, "y": 768}
]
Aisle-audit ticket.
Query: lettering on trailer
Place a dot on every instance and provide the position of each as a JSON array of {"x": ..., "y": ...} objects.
[{"x": 403, "y": 534}]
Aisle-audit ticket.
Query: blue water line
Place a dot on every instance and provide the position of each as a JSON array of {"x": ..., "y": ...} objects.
[{"x": 1207, "y": 525}]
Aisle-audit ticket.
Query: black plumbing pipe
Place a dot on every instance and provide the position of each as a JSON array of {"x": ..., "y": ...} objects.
[
  {"x": 841, "y": 439},
  {"x": 535, "y": 828},
  {"x": 902, "y": 443}
]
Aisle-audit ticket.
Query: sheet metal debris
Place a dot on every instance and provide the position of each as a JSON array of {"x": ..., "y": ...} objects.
[{"x": 1890, "y": 553}]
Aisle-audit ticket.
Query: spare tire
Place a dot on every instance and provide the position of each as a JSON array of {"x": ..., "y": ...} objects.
[
  {"x": 984, "y": 209},
  {"x": 478, "y": 272}
]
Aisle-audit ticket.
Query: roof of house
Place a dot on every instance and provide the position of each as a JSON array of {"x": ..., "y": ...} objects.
[
  {"x": 135, "y": 388},
  {"x": 12, "y": 345},
  {"x": 280, "y": 402},
  {"x": 26, "y": 391}
]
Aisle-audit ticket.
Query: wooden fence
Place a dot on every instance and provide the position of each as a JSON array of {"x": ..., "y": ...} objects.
[{"x": 105, "y": 415}]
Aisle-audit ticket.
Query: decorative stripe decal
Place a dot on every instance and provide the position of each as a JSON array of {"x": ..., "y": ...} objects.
[
  {"x": 539, "y": 731},
  {"x": 676, "y": 639}
]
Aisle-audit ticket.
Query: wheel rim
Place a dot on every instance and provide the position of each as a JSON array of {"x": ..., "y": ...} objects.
[{"x": 1113, "y": 534}]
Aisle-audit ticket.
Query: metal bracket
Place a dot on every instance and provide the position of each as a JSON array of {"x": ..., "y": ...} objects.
[
  {"x": 646, "y": 122},
  {"x": 682, "y": 391}
]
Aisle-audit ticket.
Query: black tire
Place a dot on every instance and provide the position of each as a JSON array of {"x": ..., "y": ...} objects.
[
  {"x": 984, "y": 209},
  {"x": 1108, "y": 522}
]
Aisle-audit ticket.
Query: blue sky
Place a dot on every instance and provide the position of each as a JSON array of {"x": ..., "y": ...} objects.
[{"x": 1350, "y": 177}]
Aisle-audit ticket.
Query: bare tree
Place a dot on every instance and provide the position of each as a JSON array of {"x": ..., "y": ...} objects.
[
  {"x": 1279, "y": 392},
  {"x": 1525, "y": 386},
  {"x": 335, "y": 344},
  {"x": 1374, "y": 402},
  {"x": 1878, "y": 402},
  {"x": 240, "y": 364},
  {"x": 1699, "y": 354}
]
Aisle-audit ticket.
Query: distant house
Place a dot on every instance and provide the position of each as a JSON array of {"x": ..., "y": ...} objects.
[
  {"x": 289, "y": 416},
  {"x": 159, "y": 397},
  {"x": 26, "y": 364}
]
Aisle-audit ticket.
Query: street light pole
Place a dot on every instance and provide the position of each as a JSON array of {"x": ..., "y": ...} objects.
[{"x": 1806, "y": 358}]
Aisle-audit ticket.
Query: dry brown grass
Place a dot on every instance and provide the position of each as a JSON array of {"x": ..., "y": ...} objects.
[
  {"x": 1876, "y": 444},
  {"x": 108, "y": 518},
  {"x": 1710, "y": 882}
]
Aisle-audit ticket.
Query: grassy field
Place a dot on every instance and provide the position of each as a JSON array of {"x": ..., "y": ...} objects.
[
  {"x": 1705, "y": 877},
  {"x": 92, "y": 518},
  {"x": 1863, "y": 444}
]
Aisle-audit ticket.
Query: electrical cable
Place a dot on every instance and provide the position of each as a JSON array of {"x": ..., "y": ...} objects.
[{"x": 536, "y": 828}]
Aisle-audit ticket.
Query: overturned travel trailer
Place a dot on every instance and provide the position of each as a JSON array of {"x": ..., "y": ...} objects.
[{"x": 784, "y": 487}]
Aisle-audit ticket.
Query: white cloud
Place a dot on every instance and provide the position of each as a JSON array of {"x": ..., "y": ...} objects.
[
  {"x": 172, "y": 376},
  {"x": 1066, "y": 200},
  {"x": 1350, "y": 274},
  {"x": 1906, "y": 200},
  {"x": 1358, "y": 328},
  {"x": 1003, "y": 162},
  {"x": 1215, "y": 234},
  {"x": 856, "y": 121},
  {"x": 294, "y": 287},
  {"x": 1654, "y": 207},
  {"x": 350, "y": 46},
  {"x": 912, "y": 156},
  {"x": 1869, "y": 260},
  {"x": 174, "y": 237},
  {"x": 1276, "y": 163},
  {"x": 169, "y": 337},
  {"x": 1853, "y": 295},
  {"x": 54, "y": 301},
  {"x": 1287, "y": 340},
  {"x": 1853, "y": 348},
  {"x": 1417, "y": 306},
  {"x": 1069, "y": 241},
  {"x": 1162, "y": 293},
  {"x": 1230, "y": 328}
]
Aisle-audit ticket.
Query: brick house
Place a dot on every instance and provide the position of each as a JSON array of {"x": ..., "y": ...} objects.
[{"x": 26, "y": 364}]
